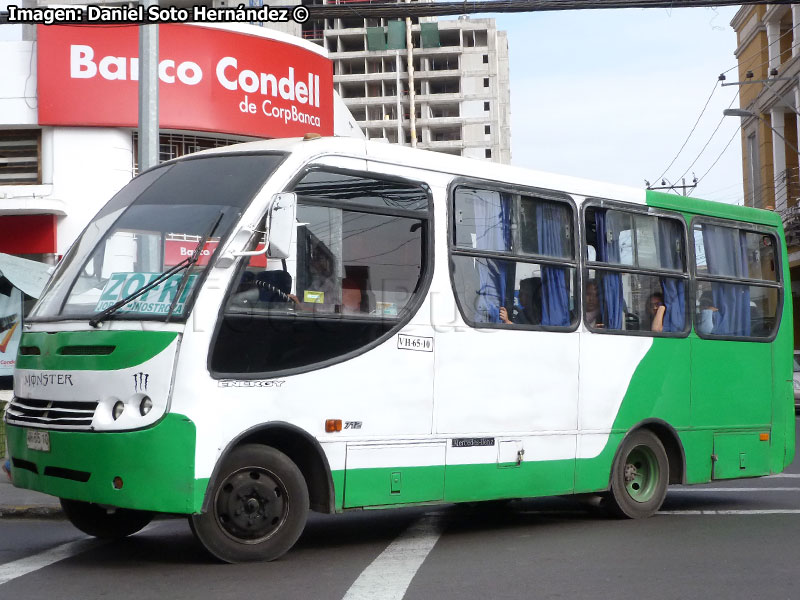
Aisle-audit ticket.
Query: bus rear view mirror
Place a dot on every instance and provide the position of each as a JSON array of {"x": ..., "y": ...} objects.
[{"x": 282, "y": 217}]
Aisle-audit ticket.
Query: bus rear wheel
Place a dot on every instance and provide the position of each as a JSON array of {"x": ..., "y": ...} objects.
[
  {"x": 100, "y": 522},
  {"x": 639, "y": 476},
  {"x": 259, "y": 505}
]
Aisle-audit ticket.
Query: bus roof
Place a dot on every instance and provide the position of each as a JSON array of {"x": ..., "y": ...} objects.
[{"x": 491, "y": 171}]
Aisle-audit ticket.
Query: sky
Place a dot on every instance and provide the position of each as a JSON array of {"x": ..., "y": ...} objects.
[{"x": 613, "y": 95}]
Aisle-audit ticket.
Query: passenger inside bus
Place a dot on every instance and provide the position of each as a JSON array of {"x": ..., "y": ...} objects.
[
  {"x": 530, "y": 304},
  {"x": 591, "y": 304},
  {"x": 656, "y": 309},
  {"x": 707, "y": 314},
  {"x": 354, "y": 297}
]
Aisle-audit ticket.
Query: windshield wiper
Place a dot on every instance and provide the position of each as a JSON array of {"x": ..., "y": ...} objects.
[
  {"x": 181, "y": 266},
  {"x": 195, "y": 256}
]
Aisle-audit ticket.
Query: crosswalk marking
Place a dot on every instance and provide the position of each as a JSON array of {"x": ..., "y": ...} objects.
[
  {"x": 389, "y": 575},
  {"x": 23, "y": 566}
]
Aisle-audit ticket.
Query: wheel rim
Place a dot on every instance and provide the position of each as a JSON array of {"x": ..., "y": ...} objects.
[
  {"x": 641, "y": 474},
  {"x": 251, "y": 505}
]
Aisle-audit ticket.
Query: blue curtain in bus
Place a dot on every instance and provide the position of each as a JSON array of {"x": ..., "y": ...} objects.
[
  {"x": 726, "y": 254},
  {"x": 551, "y": 222},
  {"x": 611, "y": 300},
  {"x": 492, "y": 232},
  {"x": 674, "y": 289}
]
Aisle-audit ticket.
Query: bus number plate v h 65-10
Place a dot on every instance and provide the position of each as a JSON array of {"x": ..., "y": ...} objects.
[{"x": 38, "y": 440}]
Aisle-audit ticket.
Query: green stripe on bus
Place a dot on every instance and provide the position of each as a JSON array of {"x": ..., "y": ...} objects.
[
  {"x": 712, "y": 209},
  {"x": 90, "y": 350},
  {"x": 156, "y": 466}
]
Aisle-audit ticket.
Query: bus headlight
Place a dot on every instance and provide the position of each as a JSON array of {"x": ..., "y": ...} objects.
[
  {"x": 145, "y": 406},
  {"x": 119, "y": 407}
]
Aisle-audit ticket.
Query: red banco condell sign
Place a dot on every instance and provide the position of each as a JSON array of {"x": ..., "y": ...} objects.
[{"x": 211, "y": 79}]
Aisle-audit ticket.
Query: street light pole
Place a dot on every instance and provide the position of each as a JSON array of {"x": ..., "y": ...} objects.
[{"x": 780, "y": 193}]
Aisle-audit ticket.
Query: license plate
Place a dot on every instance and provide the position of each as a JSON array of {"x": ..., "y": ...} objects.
[{"x": 38, "y": 440}]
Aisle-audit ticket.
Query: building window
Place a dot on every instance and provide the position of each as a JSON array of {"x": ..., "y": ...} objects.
[
  {"x": 175, "y": 145},
  {"x": 486, "y": 106},
  {"x": 485, "y": 82},
  {"x": 20, "y": 157},
  {"x": 487, "y": 129},
  {"x": 488, "y": 153},
  {"x": 486, "y": 59}
]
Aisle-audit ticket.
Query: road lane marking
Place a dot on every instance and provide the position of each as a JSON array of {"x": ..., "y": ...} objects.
[
  {"x": 735, "y": 489},
  {"x": 23, "y": 566},
  {"x": 573, "y": 513},
  {"x": 389, "y": 575},
  {"x": 788, "y": 475},
  {"x": 771, "y": 511}
]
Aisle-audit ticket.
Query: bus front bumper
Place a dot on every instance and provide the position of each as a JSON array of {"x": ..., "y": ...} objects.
[{"x": 150, "y": 469}]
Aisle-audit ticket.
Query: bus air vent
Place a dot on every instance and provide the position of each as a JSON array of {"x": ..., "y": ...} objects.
[
  {"x": 72, "y": 474},
  {"x": 86, "y": 350},
  {"x": 29, "y": 351},
  {"x": 53, "y": 414}
]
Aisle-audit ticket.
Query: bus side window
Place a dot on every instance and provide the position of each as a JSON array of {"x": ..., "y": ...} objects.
[
  {"x": 513, "y": 258},
  {"x": 624, "y": 248},
  {"x": 354, "y": 276},
  {"x": 727, "y": 308}
]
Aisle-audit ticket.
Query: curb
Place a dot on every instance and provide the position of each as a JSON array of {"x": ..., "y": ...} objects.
[{"x": 31, "y": 512}]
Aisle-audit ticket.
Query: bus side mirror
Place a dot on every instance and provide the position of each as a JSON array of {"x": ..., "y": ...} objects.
[{"x": 282, "y": 218}]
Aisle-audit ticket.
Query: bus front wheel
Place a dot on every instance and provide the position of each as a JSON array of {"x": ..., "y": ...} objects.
[
  {"x": 100, "y": 522},
  {"x": 259, "y": 505},
  {"x": 639, "y": 476}
]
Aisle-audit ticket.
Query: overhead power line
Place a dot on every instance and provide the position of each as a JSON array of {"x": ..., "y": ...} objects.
[
  {"x": 688, "y": 137},
  {"x": 367, "y": 8}
]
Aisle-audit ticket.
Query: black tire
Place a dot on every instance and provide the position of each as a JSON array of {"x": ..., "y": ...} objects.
[
  {"x": 258, "y": 506},
  {"x": 639, "y": 476},
  {"x": 107, "y": 524}
]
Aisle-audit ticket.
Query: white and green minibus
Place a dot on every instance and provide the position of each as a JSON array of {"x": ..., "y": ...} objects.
[{"x": 248, "y": 333}]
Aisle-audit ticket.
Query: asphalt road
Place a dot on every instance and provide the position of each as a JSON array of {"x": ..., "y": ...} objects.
[{"x": 736, "y": 539}]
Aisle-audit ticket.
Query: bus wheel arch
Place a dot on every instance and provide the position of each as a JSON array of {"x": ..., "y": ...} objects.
[
  {"x": 639, "y": 475},
  {"x": 258, "y": 508},
  {"x": 302, "y": 448},
  {"x": 676, "y": 454}
]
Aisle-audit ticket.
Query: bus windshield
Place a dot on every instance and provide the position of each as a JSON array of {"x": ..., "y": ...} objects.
[{"x": 153, "y": 224}]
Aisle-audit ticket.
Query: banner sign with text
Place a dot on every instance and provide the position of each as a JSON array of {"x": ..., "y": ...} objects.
[
  {"x": 156, "y": 301},
  {"x": 176, "y": 251},
  {"x": 211, "y": 80}
]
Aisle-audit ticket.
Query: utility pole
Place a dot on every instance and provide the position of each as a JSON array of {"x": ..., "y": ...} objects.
[
  {"x": 148, "y": 94},
  {"x": 684, "y": 188}
]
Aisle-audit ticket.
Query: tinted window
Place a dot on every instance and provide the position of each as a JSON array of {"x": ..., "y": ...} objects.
[
  {"x": 153, "y": 224},
  {"x": 355, "y": 189},
  {"x": 513, "y": 258},
  {"x": 351, "y": 278},
  {"x": 618, "y": 296},
  {"x": 725, "y": 308}
]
